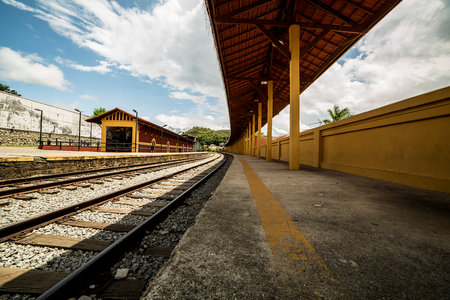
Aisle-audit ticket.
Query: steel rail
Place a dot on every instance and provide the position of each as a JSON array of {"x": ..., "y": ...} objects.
[
  {"x": 51, "y": 176},
  {"x": 79, "y": 277},
  {"x": 15, "y": 229},
  {"x": 6, "y": 193}
]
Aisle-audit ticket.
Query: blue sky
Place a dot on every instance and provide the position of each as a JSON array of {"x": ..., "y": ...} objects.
[{"x": 158, "y": 57}]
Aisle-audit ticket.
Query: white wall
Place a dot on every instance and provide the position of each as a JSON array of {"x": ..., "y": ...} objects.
[{"x": 19, "y": 113}]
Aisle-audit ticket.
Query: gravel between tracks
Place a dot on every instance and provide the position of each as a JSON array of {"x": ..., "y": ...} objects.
[{"x": 42, "y": 258}]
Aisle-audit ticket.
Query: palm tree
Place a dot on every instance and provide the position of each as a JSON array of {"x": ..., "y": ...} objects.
[{"x": 337, "y": 114}]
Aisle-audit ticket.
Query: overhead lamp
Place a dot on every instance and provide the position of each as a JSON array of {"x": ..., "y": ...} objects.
[
  {"x": 264, "y": 82},
  {"x": 256, "y": 100},
  {"x": 251, "y": 111}
]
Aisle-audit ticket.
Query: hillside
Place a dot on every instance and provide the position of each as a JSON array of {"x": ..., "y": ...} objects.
[{"x": 208, "y": 136}]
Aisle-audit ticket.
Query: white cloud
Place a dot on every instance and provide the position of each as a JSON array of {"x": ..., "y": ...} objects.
[
  {"x": 171, "y": 43},
  {"x": 187, "y": 96},
  {"x": 103, "y": 67},
  {"x": 88, "y": 97},
  {"x": 30, "y": 69},
  {"x": 186, "y": 122},
  {"x": 406, "y": 54}
]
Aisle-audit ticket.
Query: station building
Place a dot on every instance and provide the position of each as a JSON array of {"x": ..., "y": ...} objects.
[{"x": 119, "y": 134}]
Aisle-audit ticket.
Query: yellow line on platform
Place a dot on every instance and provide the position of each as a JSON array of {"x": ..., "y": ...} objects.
[
  {"x": 15, "y": 159},
  {"x": 288, "y": 244}
]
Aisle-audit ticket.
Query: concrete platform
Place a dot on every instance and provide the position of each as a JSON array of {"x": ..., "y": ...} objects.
[{"x": 271, "y": 233}]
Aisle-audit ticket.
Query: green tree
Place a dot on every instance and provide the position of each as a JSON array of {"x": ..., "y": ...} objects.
[
  {"x": 99, "y": 111},
  {"x": 208, "y": 136},
  {"x": 337, "y": 114},
  {"x": 6, "y": 88}
]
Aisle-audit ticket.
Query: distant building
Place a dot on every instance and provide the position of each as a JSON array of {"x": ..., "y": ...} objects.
[
  {"x": 119, "y": 134},
  {"x": 197, "y": 145}
]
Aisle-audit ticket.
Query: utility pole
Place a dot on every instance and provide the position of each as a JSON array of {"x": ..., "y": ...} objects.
[
  {"x": 40, "y": 130},
  {"x": 162, "y": 137},
  {"x": 135, "y": 137},
  {"x": 79, "y": 129}
]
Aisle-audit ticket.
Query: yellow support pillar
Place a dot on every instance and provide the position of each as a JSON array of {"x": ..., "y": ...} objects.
[
  {"x": 258, "y": 145},
  {"x": 245, "y": 141},
  {"x": 269, "y": 119},
  {"x": 253, "y": 135},
  {"x": 249, "y": 138},
  {"x": 294, "y": 95}
]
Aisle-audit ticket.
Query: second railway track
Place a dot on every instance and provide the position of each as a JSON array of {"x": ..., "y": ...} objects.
[
  {"x": 97, "y": 227},
  {"x": 36, "y": 183}
]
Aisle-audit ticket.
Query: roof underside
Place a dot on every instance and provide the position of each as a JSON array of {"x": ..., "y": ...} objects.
[{"x": 252, "y": 40}]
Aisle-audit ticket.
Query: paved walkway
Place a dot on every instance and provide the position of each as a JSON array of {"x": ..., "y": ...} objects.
[{"x": 271, "y": 233}]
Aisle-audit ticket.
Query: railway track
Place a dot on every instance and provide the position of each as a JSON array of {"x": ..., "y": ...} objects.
[
  {"x": 41, "y": 195},
  {"x": 24, "y": 185},
  {"x": 88, "y": 237}
]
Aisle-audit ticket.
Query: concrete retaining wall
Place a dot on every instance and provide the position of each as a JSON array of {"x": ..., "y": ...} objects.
[
  {"x": 407, "y": 142},
  {"x": 12, "y": 137},
  {"x": 20, "y": 115}
]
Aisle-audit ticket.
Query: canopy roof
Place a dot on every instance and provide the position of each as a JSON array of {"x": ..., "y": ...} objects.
[{"x": 252, "y": 41}]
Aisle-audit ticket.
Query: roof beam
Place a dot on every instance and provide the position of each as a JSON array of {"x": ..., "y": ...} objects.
[
  {"x": 351, "y": 29},
  {"x": 275, "y": 41},
  {"x": 245, "y": 9},
  {"x": 260, "y": 92},
  {"x": 251, "y": 81},
  {"x": 328, "y": 10},
  {"x": 258, "y": 58},
  {"x": 245, "y": 42},
  {"x": 255, "y": 48},
  {"x": 224, "y": 30},
  {"x": 240, "y": 71},
  {"x": 352, "y": 3}
]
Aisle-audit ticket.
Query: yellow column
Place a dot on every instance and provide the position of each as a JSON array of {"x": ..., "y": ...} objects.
[
  {"x": 269, "y": 119},
  {"x": 245, "y": 141},
  {"x": 294, "y": 95},
  {"x": 253, "y": 135},
  {"x": 258, "y": 145},
  {"x": 249, "y": 138}
]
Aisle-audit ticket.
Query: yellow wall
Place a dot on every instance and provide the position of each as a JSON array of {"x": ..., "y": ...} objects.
[{"x": 407, "y": 142}]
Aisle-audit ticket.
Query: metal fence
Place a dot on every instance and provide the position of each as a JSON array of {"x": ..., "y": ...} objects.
[{"x": 108, "y": 147}]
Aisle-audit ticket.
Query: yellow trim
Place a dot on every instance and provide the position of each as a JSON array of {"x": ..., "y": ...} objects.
[
  {"x": 58, "y": 158},
  {"x": 11, "y": 159},
  {"x": 287, "y": 242}
]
